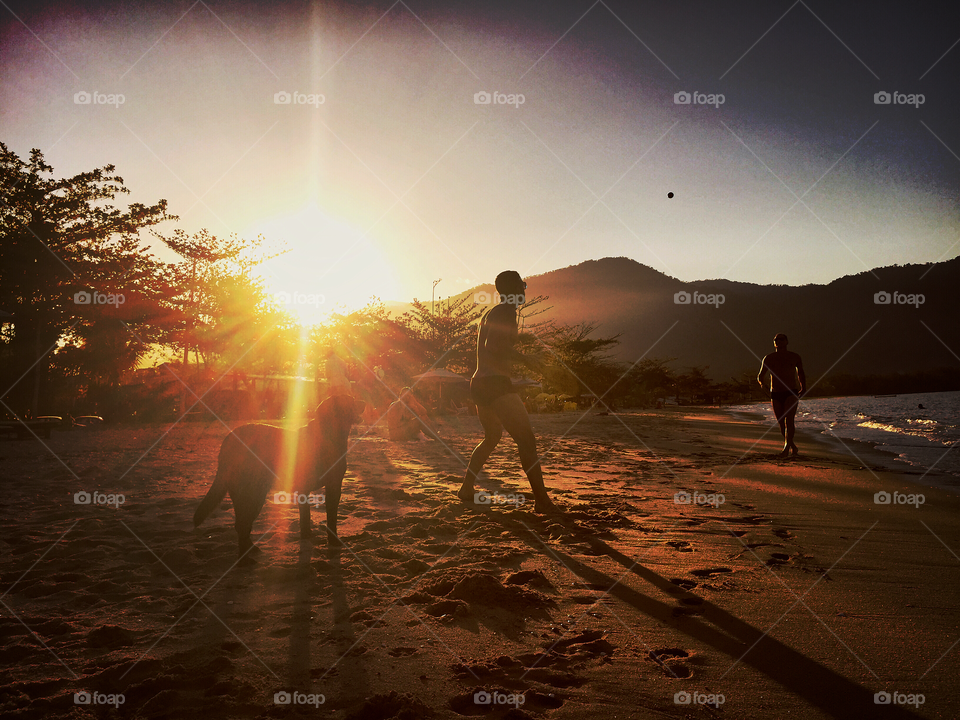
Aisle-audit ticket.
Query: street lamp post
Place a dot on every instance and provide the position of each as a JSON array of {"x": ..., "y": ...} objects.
[{"x": 433, "y": 294}]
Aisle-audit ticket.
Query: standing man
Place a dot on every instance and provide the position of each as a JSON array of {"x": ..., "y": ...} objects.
[
  {"x": 499, "y": 407},
  {"x": 786, "y": 370}
]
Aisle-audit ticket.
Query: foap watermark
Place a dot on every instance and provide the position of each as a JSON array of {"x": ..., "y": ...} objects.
[
  {"x": 698, "y": 298},
  {"x": 898, "y": 298},
  {"x": 485, "y": 298},
  {"x": 498, "y": 98},
  {"x": 83, "y": 297},
  {"x": 298, "y": 98},
  {"x": 95, "y": 698},
  {"x": 98, "y": 98},
  {"x": 698, "y": 98},
  {"x": 482, "y": 697},
  {"x": 898, "y": 98},
  {"x": 485, "y": 497},
  {"x": 898, "y": 498},
  {"x": 899, "y": 698},
  {"x": 695, "y": 498},
  {"x": 299, "y": 298},
  {"x": 685, "y": 697},
  {"x": 298, "y": 698},
  {"x": 98, "y": 498},
  {"x": 295, "y": 498}
]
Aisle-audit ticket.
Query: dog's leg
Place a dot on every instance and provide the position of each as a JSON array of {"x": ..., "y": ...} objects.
[
  {"x": 332, "y": 502},
  {"x": 247, "y": 504},
  {"x": 305, "y": 527}
]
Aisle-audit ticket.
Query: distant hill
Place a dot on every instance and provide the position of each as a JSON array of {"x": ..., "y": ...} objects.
[{"x": 824, "y": 322}]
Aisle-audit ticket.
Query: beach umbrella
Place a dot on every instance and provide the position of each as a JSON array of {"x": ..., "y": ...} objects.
[{"x": 440, "y": 376}]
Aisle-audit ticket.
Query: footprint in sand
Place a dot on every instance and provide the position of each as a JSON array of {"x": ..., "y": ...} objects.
[
  {"x": 672, "y": 662},
  {"x": 707, "y": 572},
  {"x": 783, "y": 534},
  {"x": 403, "y": 652},
  {"x": 680, "y": 545},
  {"x": 688, "y": 607},
  {"x": 684, "y": 583}
]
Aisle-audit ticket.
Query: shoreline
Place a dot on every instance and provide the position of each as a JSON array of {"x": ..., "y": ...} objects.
[{"x": 890, "y": 460}]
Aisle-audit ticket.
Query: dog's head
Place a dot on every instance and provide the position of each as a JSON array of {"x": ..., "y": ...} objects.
[{"x": 338, "y": 413}]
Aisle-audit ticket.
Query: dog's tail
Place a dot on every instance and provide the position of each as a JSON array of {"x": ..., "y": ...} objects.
[{"x": 214, "y": 496}]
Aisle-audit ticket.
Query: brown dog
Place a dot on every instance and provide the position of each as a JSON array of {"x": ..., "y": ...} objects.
[{"x": 255, "y": 458}]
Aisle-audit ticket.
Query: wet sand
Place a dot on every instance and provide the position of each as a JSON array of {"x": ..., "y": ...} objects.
[{"x": 781, "y": 590}]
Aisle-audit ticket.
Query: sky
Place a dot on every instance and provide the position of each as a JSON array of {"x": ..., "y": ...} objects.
[{"x": 357, "y": 137}]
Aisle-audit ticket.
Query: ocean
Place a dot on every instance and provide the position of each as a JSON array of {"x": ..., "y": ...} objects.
[{"x": 926, "y": 437}]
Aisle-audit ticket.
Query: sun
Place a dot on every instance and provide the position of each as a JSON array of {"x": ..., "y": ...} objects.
[{"x": 331, "y": 265}]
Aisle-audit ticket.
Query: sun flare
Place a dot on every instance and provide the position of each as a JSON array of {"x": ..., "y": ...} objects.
[{"x": 330, "y": 265}]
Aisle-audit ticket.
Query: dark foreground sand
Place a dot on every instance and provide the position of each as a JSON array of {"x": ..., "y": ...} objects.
[{"x": 797, "y": 596}]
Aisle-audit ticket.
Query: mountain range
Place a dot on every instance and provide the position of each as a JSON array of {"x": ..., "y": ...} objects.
[{"x": 885, "y": 321}]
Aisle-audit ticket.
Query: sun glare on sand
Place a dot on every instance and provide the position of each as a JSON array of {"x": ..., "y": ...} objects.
[{"x": 330, "y": 265}]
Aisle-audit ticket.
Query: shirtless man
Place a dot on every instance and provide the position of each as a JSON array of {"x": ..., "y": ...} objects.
[
  {"x": 498, "y": 405},
  {"x": 785, "y": 369}
]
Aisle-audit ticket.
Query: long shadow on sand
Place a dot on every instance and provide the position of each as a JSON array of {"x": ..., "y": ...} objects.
[{"x": 820, "y": 686}]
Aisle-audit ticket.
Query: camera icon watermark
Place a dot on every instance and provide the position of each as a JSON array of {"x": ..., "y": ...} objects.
[
  {"x": 685, "y": 697},
  {"x": 82, "y": 297},
  {"x": 95, "y": 698},
  {"x": 298, "y": 98},
  {"x": 698, "y": 98},
  {"x": 295, "y": 498},
  {"x": 898, "y": 498},
  {"x": 298, "y": 698},
  {"x": 483, "y": 697},
  {"x": 299, "y": 298},
  {"x": 696, "y": 498},
  {"x": 98, "y": 98},
  {"x": 898, "y": 98},
  {"x": 485, "y": 298},
  {"x": 98, "y": 498},
  {"x": 899, "y": 698},
  {"x": 498, "y": 98},
  {"x": 698, "y": 298},
  {"x": 485, "y": 497},
  {"x": 898, "y": 298}
]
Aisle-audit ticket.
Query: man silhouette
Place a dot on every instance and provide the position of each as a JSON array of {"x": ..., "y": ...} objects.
[
  {"x": 785, "y": 369},
  {"x": 499, "y": 407}
]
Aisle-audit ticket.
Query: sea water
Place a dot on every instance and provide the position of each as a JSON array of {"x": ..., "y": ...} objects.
[{"x": 927, "y": 437}]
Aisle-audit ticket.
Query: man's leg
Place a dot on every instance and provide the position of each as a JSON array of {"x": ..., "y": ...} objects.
[
  {"x": 780, "y": 412},
  {"x": 492, "y": 432},
  {"x": 513, "y": 416},
  {"x": 791, "y": 415}
]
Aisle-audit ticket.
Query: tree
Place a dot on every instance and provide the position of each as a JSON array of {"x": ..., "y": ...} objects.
[
  {"x": 694, "y": 384},
  {"x": 63, "y": 247},
  {"x": 649, "y": 379},
  {"x": 580, "y": 364},
  {"x": 224, "y": 312},
  {"x": 447, "y": 337}
]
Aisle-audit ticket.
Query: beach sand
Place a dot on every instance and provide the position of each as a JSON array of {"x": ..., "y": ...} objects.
[{"x": 792, "y": 595}]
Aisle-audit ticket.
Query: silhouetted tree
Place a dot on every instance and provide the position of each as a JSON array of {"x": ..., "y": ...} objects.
[{"x": 63, "y": 246}]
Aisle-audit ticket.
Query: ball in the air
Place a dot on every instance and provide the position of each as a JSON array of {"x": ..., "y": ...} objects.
[{"x": 669, "y": 194}]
